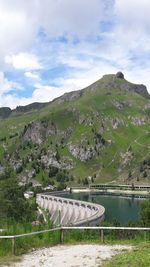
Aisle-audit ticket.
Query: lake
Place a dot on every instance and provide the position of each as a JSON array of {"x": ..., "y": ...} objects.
[{"x": 123, "y": 209}]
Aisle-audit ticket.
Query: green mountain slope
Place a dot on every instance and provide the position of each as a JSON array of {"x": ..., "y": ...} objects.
[{"x": 100, "y": 134}]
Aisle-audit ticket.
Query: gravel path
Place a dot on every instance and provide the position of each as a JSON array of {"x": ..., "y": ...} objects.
[{"x": 70, "y": 256}]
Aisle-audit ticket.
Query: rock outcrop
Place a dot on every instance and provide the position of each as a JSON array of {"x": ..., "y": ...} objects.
[
  {"x": 37, "y": 132},
  {"x": 50, "y": 159},
  {"x": 34, "y": 132},
  {"x": 5, "y": 112},
  {"x": 85, "y": 153},
  {"x": 126, "y": 158},
  {"x": 119, "y": 75},
  {"x": 81, "y": 153},
  {"x": 29, "y": 107}
]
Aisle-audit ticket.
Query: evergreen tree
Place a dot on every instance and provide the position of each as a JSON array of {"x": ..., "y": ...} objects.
[{"x": 13, "y": 205}]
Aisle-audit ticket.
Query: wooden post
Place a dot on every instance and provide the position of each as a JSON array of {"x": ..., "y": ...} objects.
[
  {"x": 102, "y": 235},
  {"x": 13, "y": 246},
  {"x": 59, "y": 218},
  {"x": 144, "y": 235},
  {"x": 61, "y": 236}
]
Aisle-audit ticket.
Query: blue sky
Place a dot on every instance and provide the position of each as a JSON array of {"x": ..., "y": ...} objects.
[{"x": 51, "y": 47}]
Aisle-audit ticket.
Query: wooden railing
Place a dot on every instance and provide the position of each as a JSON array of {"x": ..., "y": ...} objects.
[{"x": 66, "y": 228}]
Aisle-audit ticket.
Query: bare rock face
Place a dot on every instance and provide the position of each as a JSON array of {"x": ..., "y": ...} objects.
[
  {"x": 16, "y": 163},
  {"x": 115, "y": 123},
  {"x": 36, "y": 132},
  {"x": 5, "y": 112},
  {"x": 138, "y": 121},
  {"x": 126, "y": 158},
  {"x": 27, "y": 177},
  {"x": 131, "y": 87},
  {"x": 30, "y": 107},
  {"x": 50, "y": 159},
  {"x": 119, "y": 75},
  {"x": 1, "y": 169},
  {"x": 121, "y": 104},
  {"x": 85, "y": 153},
  {"x": 69, "y": 96},
  {"x": 142, "y": 90},
  {"x": 81, "y": 153}
]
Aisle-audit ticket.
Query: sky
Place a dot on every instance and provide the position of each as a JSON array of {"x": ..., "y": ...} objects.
[{"x": 49, "y": 47}]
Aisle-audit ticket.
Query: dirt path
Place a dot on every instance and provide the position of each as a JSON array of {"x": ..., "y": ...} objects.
[{"x": 70, "y": 256}]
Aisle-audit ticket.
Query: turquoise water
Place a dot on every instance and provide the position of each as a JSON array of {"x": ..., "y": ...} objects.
[{"x": 123, "y": 209}]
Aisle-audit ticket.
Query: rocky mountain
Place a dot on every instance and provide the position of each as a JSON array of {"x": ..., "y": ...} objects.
[
  {"x": 5, "y": 112},
  {"x": 97, "y": 134}
]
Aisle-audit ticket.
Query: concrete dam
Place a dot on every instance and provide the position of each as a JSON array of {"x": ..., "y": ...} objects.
[{"x": 65, "y": 211}]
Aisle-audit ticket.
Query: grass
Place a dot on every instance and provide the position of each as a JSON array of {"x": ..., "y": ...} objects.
[
  {"x": 9, "y": 260},
  {"x": 25, "y": 244},
  {"x": 140, "y": 253},
  {"x": 70, "y": 236},
  {"x": 139, "y": 256}
]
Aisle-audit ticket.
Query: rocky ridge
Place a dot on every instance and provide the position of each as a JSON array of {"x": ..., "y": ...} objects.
[
  {"x": 81, "y": 134},
  {"x": 125, "y": 85}
]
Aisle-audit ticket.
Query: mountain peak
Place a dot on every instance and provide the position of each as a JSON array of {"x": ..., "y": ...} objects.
[
  {"x": 114, "y": 81},
  {"x": 107, "y": 82},
  {"x": 119, "y": 75}
]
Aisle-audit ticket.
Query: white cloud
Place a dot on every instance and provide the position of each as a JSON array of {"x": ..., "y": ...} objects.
[
  {"x": 6, "y": 85},
  {"x": 21, "y": 20},
  {"x": 29, "y": 35},
  {"x": 134, "y": 13},
  {"x": 18, "y": 26},
  {"x": 11, "y": 100},
  {"x": 24, "y": 61},
  {"x": 72, "y": 18},
  {"x": 133, "y": 23},
  {"x": 7, "y": 89},
  {"x": 45, "y": 93},
  {"x": 32, "y": 76},
  {"x": 74, "y": 62}
]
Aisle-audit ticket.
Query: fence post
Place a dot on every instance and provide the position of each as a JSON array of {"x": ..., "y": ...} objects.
[
  {"x": 144, "y": 235},
  {"x": 61, "y": 236},
  {"x": 13, "y": 246},
  {"x": 102, "y": 235},
  {"x": 59, "y": 218}
]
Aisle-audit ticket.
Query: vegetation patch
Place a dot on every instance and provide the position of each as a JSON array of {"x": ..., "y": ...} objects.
[{"x": 140, "y": 256}]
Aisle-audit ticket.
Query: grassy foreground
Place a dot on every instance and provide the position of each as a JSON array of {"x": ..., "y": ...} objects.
[
  {"x": 27, "y": 243},
  {"x": 140, "y": 257}
]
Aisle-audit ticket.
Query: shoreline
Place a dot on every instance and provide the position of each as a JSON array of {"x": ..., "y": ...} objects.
[{"x": 130, "y": 193}]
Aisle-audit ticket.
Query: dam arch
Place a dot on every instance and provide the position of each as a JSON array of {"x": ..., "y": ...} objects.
[{"x": 67, "y": 211}]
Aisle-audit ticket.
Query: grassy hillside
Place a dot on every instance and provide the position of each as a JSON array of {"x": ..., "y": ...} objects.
[{"x": 102, "y": 131}]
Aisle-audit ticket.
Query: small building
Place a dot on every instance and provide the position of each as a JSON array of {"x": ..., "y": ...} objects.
[
  {"x": 49, "y": 187},
  {"x": 29, "y": 194}
]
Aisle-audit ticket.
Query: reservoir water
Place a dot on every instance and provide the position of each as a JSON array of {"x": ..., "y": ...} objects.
[{"x": 123, "y": 209}]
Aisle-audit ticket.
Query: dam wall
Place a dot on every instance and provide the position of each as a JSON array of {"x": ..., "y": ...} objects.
[{"x": 65, "y": 211}]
